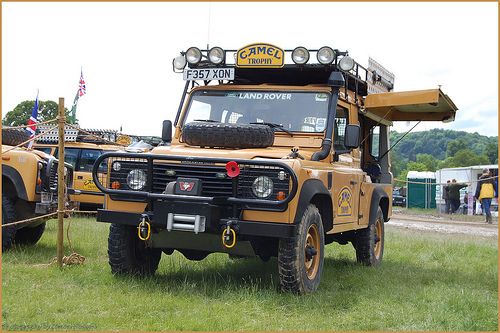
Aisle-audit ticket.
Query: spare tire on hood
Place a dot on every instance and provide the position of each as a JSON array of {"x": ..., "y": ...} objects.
[
  {"x": 14, "y": 136},
  {"x": 221, "y": 135}
]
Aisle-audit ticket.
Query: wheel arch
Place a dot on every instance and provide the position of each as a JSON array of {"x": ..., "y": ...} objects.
[
  {"x": 379, "y": 199},
  {"x": 12, "y": 183},
  {"x": 314, "y": 192}
]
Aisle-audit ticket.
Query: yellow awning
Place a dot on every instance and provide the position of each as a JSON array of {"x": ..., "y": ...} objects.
[{"x": 426, "y": 105}]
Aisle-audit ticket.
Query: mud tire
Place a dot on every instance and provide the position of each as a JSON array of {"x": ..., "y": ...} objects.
[
  {"x": 294, "y": 275},
  {"x": 14, "y": 136},
  {"x": 29, "y": 235},
  {"x": 208, "y": 134},
  {"x": 128, "y": 255},
  {"x": 369, "y": 242},
  {"x": 8, "y": 216}
]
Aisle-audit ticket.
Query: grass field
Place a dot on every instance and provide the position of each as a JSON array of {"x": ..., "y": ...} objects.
[{"x": 426, "y": 282}]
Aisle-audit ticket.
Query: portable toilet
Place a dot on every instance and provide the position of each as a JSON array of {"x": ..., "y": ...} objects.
[{"x": 421, "y": 192}]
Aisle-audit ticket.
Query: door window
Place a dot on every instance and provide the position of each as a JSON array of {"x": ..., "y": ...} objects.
[{"x": 339, "y": 130}]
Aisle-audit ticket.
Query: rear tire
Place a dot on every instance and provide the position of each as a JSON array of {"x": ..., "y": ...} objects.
[
  {"x": 300, "y": 259},
  {"x": 128, "y": 254},
  {"x": 14, "y": 136},
  {"x": 8, "y": 216},
  {"x": 29, "y": 236},
  {"x": 369, "y": 242}
]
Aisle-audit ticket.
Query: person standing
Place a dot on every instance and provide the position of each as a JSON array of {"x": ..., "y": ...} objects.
[
  {"x": 446, "y": 197},
  {"x": 454, "y": 194},
  {"x": 485, "y": 191}
]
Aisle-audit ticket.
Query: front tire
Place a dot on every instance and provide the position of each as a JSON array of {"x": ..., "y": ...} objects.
[
  {"x": 29, "y": 235},
  {"x": 300, "y": 259},
  {"x": 369, "y": 242},
  {"x": 128, "y": 254},
  {"x": 8, "y": 216}
]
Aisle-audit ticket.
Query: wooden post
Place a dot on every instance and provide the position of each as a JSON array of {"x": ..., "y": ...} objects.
[{"x": 60, "y": 185}]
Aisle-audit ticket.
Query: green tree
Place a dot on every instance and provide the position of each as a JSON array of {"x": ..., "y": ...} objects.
[
  {"x": 464, "y": 158},
  {"x": 22, "y": 112},
  {"x": 428, "y": 160},
  {"x": 454, "y": 146},
  {"x": 491, "y": 151}
]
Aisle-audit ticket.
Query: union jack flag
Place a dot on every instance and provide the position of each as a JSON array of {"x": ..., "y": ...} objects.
[
  {"x": 31, "y": 127},
  {"x": 82, "y": 90}
]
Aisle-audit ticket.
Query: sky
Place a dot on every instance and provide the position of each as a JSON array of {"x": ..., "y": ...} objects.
[{"x": 126, "y": 49}]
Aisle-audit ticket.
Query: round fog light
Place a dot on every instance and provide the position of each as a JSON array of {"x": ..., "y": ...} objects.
[
  {"x": 346, "y": 63},
  {"x": 179, "y": 63},
  {"x": 216, "y": 55},
  {"x": 193, "y": 55},
  {"x": 300, "y": 55},
  {"x": 262, "y": 187},
  {"x": 117, "y": 166},
  {"x": 325, "y": 55}
]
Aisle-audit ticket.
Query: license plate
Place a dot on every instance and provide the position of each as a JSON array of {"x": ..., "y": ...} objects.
[{"x": 209, "y": 74}]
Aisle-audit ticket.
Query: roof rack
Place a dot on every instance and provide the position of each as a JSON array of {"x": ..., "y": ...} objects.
[{"x": 72, "y": 134}]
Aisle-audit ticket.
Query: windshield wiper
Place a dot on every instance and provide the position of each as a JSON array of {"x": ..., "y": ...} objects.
[
  {"x": 207, "y": 120},
  {"x": 275, "y": 127}
]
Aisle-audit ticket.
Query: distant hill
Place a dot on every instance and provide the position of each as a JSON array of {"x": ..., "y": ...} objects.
[{"x": 436, "y": 141}]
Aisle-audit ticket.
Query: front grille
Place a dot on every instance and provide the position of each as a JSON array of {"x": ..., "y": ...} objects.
[
  {"x": 212, "y": 186},
  {"x": 52, "y": 176},
  {"x": 143, "y": 173}
]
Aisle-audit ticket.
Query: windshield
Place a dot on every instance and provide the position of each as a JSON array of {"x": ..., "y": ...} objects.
[{"x": 295, "y": 111}]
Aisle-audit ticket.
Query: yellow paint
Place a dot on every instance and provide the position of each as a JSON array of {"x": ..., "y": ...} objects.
[
  {"x": 88, "y": 185},
  {"x": 260, "y": 55}
]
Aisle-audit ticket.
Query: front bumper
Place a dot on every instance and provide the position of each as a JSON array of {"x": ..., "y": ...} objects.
[{"x": 213, "y": 224}]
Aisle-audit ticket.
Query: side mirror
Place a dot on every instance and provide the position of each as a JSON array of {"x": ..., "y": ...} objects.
[
  {"x": 166, "y": 133},
  {"x": 351, "y": 138}
]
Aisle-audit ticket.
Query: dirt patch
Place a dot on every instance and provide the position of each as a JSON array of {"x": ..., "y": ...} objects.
[{"x": 426, "y": 223}]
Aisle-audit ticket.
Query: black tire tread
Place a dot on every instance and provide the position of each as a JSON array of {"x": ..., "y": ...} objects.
[
  {"x": 208, "y": 134},
  {"x": 290, "y": 265},
  {"x": 30, "y": 236},
  {"x": 14, "y": 136},
  {"x": 364, "y": 245},
  {"x": 8, "y": 216},
  {"x": 128, "y": 255}
]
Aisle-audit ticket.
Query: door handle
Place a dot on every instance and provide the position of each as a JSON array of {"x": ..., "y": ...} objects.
[
  {"x": 353, "y": 182},
  {"x": 79, "y": 177}
]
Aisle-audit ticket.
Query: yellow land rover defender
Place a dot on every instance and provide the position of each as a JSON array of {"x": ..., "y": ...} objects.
[
  {"x": 29, "y": 188},
  {"x": 268, "y": 159}
]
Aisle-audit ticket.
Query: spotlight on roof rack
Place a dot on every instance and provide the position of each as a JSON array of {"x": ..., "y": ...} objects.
[
  {"x": 346, "y": 63},
  {"x": 325, "y": 55},
  {"x": 300, "y": 55},
  {"x": 216, "y": 55},
  {"x": 193, "y": 55},
  {"x": 179, "y": 63}
]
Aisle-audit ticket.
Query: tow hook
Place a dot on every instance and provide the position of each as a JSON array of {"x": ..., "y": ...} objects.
[
  {"x": 229, "y": 235},
  {"x": 144, "y": 228}
]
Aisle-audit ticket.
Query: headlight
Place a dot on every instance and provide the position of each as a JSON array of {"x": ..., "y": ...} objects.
[
  {"x": 193, "y": 55},
  {"x": 216, "y": 55},
  {"x": 325, "y": 55},
  {"x": 136, "y": 179},
  {"x": 346, "y": 63},
  {"x": 179, "y": 63},
  {"x": 262, "y": 187},
  {"x": 300, "y": 55}
]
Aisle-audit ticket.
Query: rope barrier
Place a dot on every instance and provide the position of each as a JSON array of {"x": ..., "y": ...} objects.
[
  {"x": 29, "y": 220},
  {"x": 441, "y": 184},
  {"x": 40, "y": 123}
]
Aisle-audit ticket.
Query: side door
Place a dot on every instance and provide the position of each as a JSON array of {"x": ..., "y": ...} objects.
[
  {"x": 85, "y": 165},
  {"x": 346, "y": 174}
]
